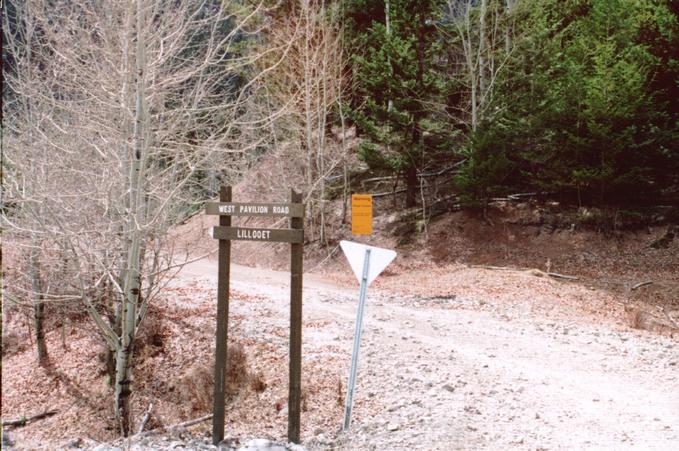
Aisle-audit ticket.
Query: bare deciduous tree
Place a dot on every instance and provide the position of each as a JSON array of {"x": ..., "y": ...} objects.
[
  {"x": 139, "y": 102},
  {"x": 310, "y": 83},
  {"x": 480, "y": 39}
]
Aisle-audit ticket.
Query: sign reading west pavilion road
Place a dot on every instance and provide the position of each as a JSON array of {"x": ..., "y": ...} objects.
[
  {"x": 225, "y": 233},
  {"x": 290, "y": 210}
]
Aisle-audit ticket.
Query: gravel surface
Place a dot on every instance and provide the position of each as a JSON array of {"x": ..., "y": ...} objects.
[{"x": 438, "y": 373}]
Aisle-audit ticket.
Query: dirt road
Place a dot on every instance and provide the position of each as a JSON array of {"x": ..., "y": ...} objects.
[{"x": 440, "y": 374}]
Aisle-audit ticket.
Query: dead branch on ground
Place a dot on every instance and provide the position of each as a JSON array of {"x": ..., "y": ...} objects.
[
  {"x": 25, "y": 420},
  {"x": 641, "y": 284},
  {"x": 533, "y": 271},
  {"x": 145, "y": 419},
  {"x": 185, "y": 424}
]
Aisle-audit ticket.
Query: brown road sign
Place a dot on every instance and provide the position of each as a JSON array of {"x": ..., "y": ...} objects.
[
  {"x": 291, "y": 210},
  {"x": 294, "y": 235},
  {"x": 361, "y": 214},
  {"x": 258, "y": 234}
]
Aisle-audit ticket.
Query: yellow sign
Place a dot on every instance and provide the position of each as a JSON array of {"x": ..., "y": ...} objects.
[{"x": 361, "y": 214}]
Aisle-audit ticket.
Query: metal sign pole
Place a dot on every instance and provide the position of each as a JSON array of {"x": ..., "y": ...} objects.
[{"x": 357, "y": 342}]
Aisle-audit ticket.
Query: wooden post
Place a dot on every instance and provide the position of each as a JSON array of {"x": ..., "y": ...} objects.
[
  {"x": 295, "y": 236},
  {"x": 222, "y": 322},
  {"x": 296, "y": 269}
]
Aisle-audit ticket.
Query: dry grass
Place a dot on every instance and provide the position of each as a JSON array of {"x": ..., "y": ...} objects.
[
  {"x": 12, "y": 344},
  {"x": 195, "y": 388},
  {"x": 257, "y": 382},
  {"x": 152, "y": 336},
  {"x": 237, "y": 371}
]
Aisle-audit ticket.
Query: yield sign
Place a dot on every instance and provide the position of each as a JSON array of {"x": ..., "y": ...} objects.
[
  {"x": 379, "y": 259},
  {"x": 367, "y": 262}
]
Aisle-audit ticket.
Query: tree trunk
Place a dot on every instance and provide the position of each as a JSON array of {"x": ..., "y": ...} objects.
[
  {"x": 322, "y": 119},
  {"x": 482, "y": 48},
  {"x": 387, "y": 21},
  {"x": 116, "y": 325},
  {"x": 411, "y": 186},
  {"x": 308, "y": 118},
  {"x": 345, "y": 169},
  {"x": 417, "y": 141},
  {"x": 132, "y": 286},
  {"x": 38, "y": 309},
  {"x": 123, "y": 388},
  {"x": 509, "y": 27}
]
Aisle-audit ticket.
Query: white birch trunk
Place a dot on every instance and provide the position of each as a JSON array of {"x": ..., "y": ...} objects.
[
  {"x": 132, "y": 285},
  {"x": 509, "y": 6}
]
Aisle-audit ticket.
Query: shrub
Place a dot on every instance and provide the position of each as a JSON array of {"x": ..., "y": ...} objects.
[
  {"x": 12, "y": 344},
  {"x": 195, "y": 387}
]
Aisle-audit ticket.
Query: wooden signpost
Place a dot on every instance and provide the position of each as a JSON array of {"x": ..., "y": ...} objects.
[{"x": 295, "y": 236}]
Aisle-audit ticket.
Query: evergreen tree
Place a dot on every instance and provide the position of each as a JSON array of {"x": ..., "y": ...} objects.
[
  {"x": 582, "y": 112},
  {"x": 399, "y": 86}
]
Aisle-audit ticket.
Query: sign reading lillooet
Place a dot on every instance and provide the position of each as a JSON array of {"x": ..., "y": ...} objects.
[{"x": 294, "y": 235}]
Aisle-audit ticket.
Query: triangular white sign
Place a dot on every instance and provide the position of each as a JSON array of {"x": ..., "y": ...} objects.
[{"x": 379, "y": 259}]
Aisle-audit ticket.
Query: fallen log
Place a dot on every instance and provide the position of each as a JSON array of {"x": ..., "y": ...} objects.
[
  {"x": 535, "y": 272},
  {"x": 398, "y": 191},
  {"x": 185, "y": 424},
  {"x": 498, "y": 268},
  {"x": 419, "y": 176},
  {"x": 25, "y": 420},
  {"x": 641, "y": 284},
  {"x": 145, "y": 419},
  {"x": 556, "y": 275}
]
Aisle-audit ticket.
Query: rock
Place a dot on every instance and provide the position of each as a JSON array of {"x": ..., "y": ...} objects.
[
  {"x": 321, "y": 439},
  {"x": 392, "y": 427},
  {"x": 7, "y": 442},
  {"x": 295, "y": 447},
  {"x": 261, "y": 444},
  {"x": 74, "y": 443},
  {"x": 106, "y": 447},
  {"x": 448, "y": 387},
  {"x": 393, "y": 408},
  {"x": 229, "y": 443}
]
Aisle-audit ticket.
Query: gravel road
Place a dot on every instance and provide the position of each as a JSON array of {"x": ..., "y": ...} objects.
[{"x": 441, "y": 374}]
